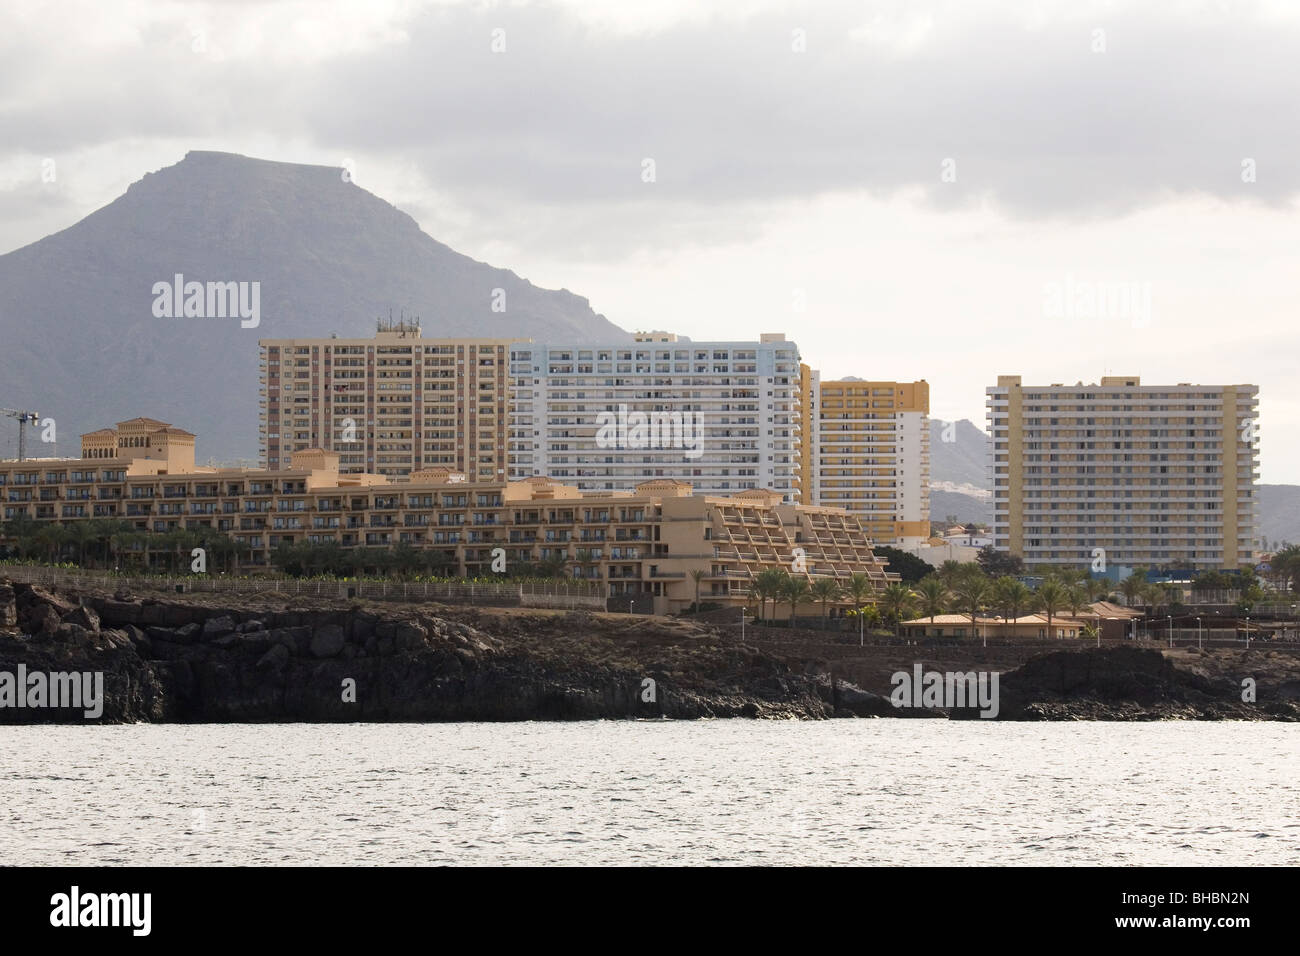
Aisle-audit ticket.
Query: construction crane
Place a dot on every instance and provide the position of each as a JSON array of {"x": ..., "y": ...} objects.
[{"x": 23, "y": 419}]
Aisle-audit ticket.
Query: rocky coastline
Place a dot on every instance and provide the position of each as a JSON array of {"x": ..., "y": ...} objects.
[{"x": 186, "y": 659}]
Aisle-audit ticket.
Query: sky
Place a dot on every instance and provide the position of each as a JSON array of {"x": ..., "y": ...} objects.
[{"x": 946, "y": 191}]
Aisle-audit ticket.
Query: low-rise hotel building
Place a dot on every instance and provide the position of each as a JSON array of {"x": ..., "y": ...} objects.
[{"x": 644, "y": 540}]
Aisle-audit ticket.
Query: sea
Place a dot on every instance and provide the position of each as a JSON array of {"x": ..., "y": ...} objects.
[{"x": 713, "y": 792}]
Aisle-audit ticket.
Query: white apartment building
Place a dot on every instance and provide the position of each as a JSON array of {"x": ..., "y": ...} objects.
[
  {"x": 724, "y": 416},
  {"x": 1138, "y": 474}
]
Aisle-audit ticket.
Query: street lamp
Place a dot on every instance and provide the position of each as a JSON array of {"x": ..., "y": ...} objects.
[
  {"x": 1247, "y": 632},
  {"x": 1199, "y": 644},
  {"x": 1171, "y": 630}
]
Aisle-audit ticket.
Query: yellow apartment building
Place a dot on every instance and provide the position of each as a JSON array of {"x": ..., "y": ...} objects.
[
  {"x": 1138, "y": 474},
  {"x": 870, "y": 454}
]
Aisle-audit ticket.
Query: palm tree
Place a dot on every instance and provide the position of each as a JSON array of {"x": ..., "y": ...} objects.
[
  {"x": 1097, "y": 589},
  {"x": 1010, "y": 595},
  {"x": 552, "y": 567},
  {"x": 1051, "y": 594},
  {"x": 1133, "y": 587},
  {"x": 50, "y": 539},
  {"x": 971, "y": 590},
  {"x": 124, "y": 537},
  {"x": 1075, "y": 598},
  {"x": 21, "y": 531},
  {"x": 1286, "y": 566},
  {"x": 825, "y": 590},
  {"x": 796, "y": 590},
  {"x": 896, "y": 599},
  {"x": 698, "y": 575},
  {"x": 769, "y": 584},
  {"x": 934, "y": 595},
  {"x": 80, "y": 534},
  {"x": 858, "y": 587},
  {"x": 951, "y": 570},
  {"x": 1154, "y": 594}
]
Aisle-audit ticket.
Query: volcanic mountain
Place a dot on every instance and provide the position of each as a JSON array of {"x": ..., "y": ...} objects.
[{"x": 80, "y": 340}]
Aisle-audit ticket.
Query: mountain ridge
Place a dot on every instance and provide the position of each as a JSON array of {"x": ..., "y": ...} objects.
[{"x": 83, "y": 346}]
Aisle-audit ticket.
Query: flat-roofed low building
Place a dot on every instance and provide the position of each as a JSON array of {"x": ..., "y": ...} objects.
[{"x": 647, "y": 540}]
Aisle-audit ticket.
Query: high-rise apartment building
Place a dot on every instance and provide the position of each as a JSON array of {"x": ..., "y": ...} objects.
[
  {"x": 870, "y": 454},
  {"x": 724, "y": 416},
  {"x": 1149, "y": 474},
  {"x": 388, "y": 405}
]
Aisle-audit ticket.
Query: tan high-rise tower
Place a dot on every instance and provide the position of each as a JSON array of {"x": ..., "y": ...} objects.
[
  {"x": 390, "y": 405},
  {"x": 1136, "y": 474}
]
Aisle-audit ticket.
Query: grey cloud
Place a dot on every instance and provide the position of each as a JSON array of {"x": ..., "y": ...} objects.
[{"x": 1035, "y": 121}]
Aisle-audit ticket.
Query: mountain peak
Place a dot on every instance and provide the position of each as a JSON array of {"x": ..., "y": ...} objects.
[{"x": 328, "y": 256}]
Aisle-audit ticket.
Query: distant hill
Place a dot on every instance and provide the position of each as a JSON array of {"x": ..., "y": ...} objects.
[
  {"x": 1279, "y": 513},
  {"x": 964, "y": 459},
  {"x": 966, "y": 508},
  {"x": 81, "y": 343}
]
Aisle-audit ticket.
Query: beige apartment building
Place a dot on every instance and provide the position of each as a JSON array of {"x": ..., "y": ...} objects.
[
  {"x": 646, "y": 540},
  {"x": 870, "y": 453},
  {"x": 1138, "y": 474},
  {"x": 393, "y": 404}
]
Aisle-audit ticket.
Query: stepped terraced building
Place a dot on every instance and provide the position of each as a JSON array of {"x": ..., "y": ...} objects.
[
  {"x": 645, "y": 540},
  {"x": 1148, "y": 474},
  {"x": 390, "y": 405}
]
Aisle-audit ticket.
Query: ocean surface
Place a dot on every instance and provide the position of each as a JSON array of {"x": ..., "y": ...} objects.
[{"x": 911, "y": 792}]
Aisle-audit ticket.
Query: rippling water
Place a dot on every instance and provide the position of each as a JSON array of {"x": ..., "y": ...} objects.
[{"x": 865, "y": 791}]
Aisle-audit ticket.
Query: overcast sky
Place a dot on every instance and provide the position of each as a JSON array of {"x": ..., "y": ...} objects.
[{"x": 909, "y": 190}]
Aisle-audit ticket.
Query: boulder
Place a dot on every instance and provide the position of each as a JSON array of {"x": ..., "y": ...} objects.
[
  {"x": 328, "y": 641},
  {"x": 216, "y": 626},
  {"x": 68, "y": 633},
  {"x": 119, "y": 612},
  {"x": 247, "y": 627},
  {"x": 186, "y": 633},
  {"x": 41, "y": 620},
  {"x": 408, "y": 636},
  {"x": 274, "y": 659},
  {"x": 29, "y": 595},
  {"x": 83, "y": 617},
  {"x": 296, "y": 639},
  {"x": 1289, "y": 690},
  {"x": 8, "y": 606}
]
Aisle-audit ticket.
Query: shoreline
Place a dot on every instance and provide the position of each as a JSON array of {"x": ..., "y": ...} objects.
[{"x": 266, "y": 659}]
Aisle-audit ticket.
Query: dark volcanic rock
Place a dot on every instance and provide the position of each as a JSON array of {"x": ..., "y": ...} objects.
[
  {"x": 8, "y": 606},
  {"x": 328, "y": 641},
  {"x": 1123, "y": 683},
  {"x": 180, "y": 659},
  {"x": 83, "y": 617},
  {"x": 216, "y": 626}
]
